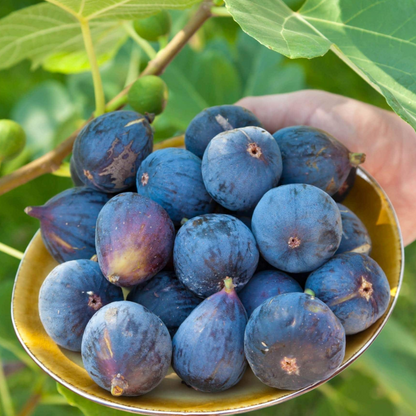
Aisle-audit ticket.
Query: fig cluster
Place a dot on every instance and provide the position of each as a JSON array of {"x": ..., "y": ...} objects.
[{"x": 233, "y": 253}]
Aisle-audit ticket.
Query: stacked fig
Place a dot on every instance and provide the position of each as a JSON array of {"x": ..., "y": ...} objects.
[{"x": 233, "y": 252}]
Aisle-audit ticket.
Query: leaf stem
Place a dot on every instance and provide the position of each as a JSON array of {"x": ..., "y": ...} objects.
[
  {"x": 144, "y": 44},
  {"x": 95, "y": 70},
  {"x": 18, "y": 353},
  {"x": 11, "y": 251},
  {"x": 5, "y": 393},
  {"x": 53, "y": 159},
  {"x": 220, "y": 12}
]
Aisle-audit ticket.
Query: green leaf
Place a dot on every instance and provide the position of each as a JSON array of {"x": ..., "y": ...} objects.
[
  {"x": 87, "y": 407},
  {"x": 48, "y": 35},
  {"x": 119, "y": 9},
  {"x": 377, "y": 39},
  {"x": 41, "y": 112}
]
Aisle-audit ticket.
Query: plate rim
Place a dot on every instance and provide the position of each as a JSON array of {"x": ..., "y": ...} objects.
[{"x": 238, "y": 410}]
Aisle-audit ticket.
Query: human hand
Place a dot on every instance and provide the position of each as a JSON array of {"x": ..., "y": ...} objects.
[{"x": 387, "y": 140}]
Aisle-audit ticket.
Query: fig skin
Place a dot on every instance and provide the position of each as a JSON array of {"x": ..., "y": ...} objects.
[
  {"x": 172, "y": 178},
  {"x": 297, "y": 227},
  {"x": 211, "y": 247},
  {"x": 355, "y": 236},
  {"x": 134, "y": 239},
  {"x": 67, "y": 222},
  {"x": 70, "y": 295},
  {"x": 74, "y": 175},
  {"x": 264, "y": 285},
  {"x": 355, "y": 287},
  {"x": 208, "y": 349},
  {"x": 126, "y": 349},
  {"x": 346, "y": 187},
  {"x": 215, "y": 120},
  {"x": 109, "y": 150},
  {"x": 293, "y": 341},
  {"x": 167, "y": 298},
  {"x": 239, "y": 166},
  {"x": 314, "y": 157}
]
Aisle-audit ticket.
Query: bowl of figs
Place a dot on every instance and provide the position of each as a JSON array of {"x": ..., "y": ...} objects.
[{"x": 235, "y": 271}]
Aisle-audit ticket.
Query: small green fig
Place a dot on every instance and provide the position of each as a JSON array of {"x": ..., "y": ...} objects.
[
  {"x": 148, "y": 94},
  {"x": 12, "y": 139},
  {"x": 153, "y": 27}
]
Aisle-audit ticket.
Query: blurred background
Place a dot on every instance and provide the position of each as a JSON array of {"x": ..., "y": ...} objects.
[{"x": 220, "y": 65}]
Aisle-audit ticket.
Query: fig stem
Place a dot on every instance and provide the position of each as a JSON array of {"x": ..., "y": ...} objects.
[
  {"x": 357, "y": 158},
  {"x": 309, "y": 292},
  {"x": 228, "y": 285},
  {"x": 118, "y": 385}
]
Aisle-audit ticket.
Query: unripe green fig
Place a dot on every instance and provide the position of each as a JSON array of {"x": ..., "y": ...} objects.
[
  {"x": 12, "y": 139},
  {"x": 148, "y": 95},
  {"x": 153, "y": 27}
]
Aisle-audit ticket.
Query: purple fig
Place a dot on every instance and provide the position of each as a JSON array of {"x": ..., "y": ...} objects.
[
  {"x": 67, "y": 223},
  {"x": 134, "y": 239}
]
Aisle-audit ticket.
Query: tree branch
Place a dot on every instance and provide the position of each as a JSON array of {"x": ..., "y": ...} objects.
[{"x": 52, "y": 160}]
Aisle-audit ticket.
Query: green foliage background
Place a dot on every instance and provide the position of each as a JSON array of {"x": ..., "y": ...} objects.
[{"x": 221, "y": 65}]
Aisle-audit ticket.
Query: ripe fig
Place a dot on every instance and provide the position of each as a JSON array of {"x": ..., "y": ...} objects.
[
  {"x": 211, "y": 247},
  {"x": 297, "y": 227},
  {"x": 346, "y": 187},
  {"x": 67, "y": 223},
  {"x": 167, "y": 298},
  {"x": 240, "y": 166},
  {"x": 126, "y": 349},
  {"x": 134, "y": 239},
  {"x": 264, "y": 285},
  {"x": 70, "y": 295},
  {"x": 208, "y": 349},
  {"x": 355, "y": 236},
  {"x": 355, "y": 288},
  {"x": 172, "y": 178},
  {"x": 148, "y": 94},
  {"x": 74, "y": 175},
  {"x": 293, "y": 341},
  {"x": 314, "y": 157},
  {"x": 214, "y": 120},
  {"x": 109, "y": 149}
]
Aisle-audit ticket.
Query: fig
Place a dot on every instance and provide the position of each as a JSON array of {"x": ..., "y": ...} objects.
[
  {"x": 70, "y": 295},
  {"x": 346, "y": 187},
  {"x": 211, "y": 247},
  {"x": 126, "y": 349},
  {"x": 355, "y": 287},
  {"x": 355, "y": 236},
  {"x": 134, "y": 239},
  {"x": 67, "y": 223},
  {"x": 109, "y": 149},
  {"x": 148, "y": 94},
  {"x": 239, "y": 166},
  {"x": 153, "y": 27},
  {"x": 208, "y": 349},
  {"x": 293, "y": 341},
  {"x": 314, "y": 157},
  {"x": 172, "y": 178},
  {"x": 297, "y": 227},
  {"x": 74, "y": 175},
  {"x": 12, "y": 140},
  {"x": 264, "y": 285},
  {"x": 215, "y": 120},
  {"x": 167, "y": 298}
]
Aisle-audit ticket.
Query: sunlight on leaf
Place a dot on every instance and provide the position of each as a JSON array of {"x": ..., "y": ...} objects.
[
  {"x": 119, "y": 9},
  {"x": 377, "y": 39}
]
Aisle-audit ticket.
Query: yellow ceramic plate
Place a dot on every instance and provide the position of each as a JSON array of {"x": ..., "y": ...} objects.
[{"x": 172, "y": 397}]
